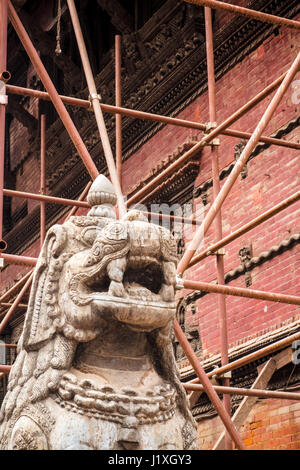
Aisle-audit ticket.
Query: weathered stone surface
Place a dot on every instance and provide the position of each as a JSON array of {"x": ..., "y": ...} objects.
[{"x": 95, "y": 367}]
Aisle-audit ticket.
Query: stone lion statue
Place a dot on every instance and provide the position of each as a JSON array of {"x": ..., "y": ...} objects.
[{"x": 95, "y": 367}]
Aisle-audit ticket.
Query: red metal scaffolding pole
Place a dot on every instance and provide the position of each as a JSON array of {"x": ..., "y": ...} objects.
[
  {"x": 207, "y": 252},
  {"x": 15, "y": 303},
  {"x": 222, "y": 129},
  {"x": 95, "y": 100},
  {"x": 84, "y": 204},
  {"x": 274, "y": 347},
  {"x": 43, "y": 180},
  {"x": 209, "y": 390},
  {"x": 218, "y": 222},
  {"x": 118, "y": 91},
  {"x": 245, "y": 392},
  {"x": 241, "y": 292},
  {"x": 256, "y": 15},
  {"x": 18, "y": 259},
  {"x": 3, "y": 102},
  {"x": 216, "y": 206},
  {"x": 55, "y": 98},
  {"x": 48, "y": 199},
  {"x": 246, "y": 228}
]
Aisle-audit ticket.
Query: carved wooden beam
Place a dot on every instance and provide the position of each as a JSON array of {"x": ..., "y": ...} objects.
[
  {"x": 18, "y": 111},
  {"x": 119, "y": 16},
  {"x": 46, "y": 45}
]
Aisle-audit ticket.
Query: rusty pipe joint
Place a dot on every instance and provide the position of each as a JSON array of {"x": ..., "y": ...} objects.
[
  {"x": 219, "y": 252},
  {"x": 3, "y": 95},
  {"x": 5, "y": 76},
  {"x": 225, "y": 375},
  {"x": 3, "y": 245},
  {"x": 212, "y": 143},
  {"x": 209, "y": 126},
  {"x": 92, "y": 97},
  {"x": 179, "y": 283}
]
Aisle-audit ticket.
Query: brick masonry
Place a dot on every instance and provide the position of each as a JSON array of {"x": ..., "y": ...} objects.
[{"x": 271, "y": 425}]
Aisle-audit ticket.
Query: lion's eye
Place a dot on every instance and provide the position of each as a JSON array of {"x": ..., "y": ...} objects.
[{"x": 89, "y": 234}]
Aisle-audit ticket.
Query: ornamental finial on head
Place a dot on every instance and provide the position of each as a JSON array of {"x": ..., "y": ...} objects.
[{"x": 102, "y": 197}]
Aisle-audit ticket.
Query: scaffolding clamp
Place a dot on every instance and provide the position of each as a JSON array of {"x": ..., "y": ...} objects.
[
  {"x": 94, "y": 96},
  {"x": 3, "y": 95},
  {"x": 213, "y": 143},
  {"x": 225, "y": 375},
  {"x": 220, "y": 252},
  {"x": 3, "y": 99},
  {"x": 208, "y": 127},
  {"x": 179, "y": 283}
]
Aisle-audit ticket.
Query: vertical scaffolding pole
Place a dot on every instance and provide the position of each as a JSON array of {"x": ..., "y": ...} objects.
[
  {"x": 118, "y": 91},
  {"x": 95, "y": 100},
  {"x": 209, "y": 390},
  {"x": 43, "y": 180},
  {"x": 218, "y": 221},
  {"x": 3, "y": 102}
]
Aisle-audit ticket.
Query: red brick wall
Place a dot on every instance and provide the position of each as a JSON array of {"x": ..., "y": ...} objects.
[{"x": 271, "y": 424}]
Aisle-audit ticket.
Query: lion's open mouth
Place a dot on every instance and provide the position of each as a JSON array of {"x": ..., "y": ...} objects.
[{"x": 143, "y": 279}]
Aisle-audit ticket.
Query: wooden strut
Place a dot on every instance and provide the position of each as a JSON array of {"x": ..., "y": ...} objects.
[
  {"x": 95, "y": 100},
  {"x": 214, "y": 153},
  {"x": 248, "y": 402},
  {"x": 281, "y": 359}
]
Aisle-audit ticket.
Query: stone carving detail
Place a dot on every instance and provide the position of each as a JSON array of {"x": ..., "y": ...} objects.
[
  {"x": 160, "y": 39},
  {"x": 238, "y": 149},
  {"x": 204, "y": 197},
  {"x": 245, "y": 255},
  {"x": 95, "y": 367},
  {"x": 191, "y": 332},
  {"x": 180, "y": 246}
]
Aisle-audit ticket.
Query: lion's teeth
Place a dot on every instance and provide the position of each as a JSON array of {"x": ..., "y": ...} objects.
[{"x": 167, "y": 293}]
